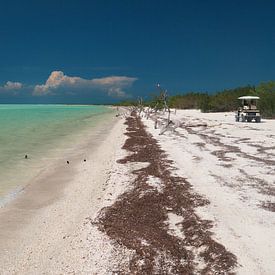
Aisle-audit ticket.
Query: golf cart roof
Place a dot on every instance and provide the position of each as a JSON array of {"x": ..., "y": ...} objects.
[{"x": 248, "y": 97}]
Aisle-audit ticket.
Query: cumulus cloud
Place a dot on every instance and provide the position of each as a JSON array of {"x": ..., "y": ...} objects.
[
  {"x": 112, "y": 85},
  {"x": 11, "y": 86}
]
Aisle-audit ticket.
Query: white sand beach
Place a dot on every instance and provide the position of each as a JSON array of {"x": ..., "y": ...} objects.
[
  {"x": 43, "y": 230},
  {"x": 63, "y": 224},
  {"x": 232, "y": 165}
]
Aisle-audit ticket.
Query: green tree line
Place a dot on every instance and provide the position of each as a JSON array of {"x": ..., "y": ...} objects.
[{"x": 221, "y": 101}]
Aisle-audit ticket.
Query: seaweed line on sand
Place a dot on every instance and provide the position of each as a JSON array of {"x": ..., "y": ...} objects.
[{"x": 138, "y": 219}]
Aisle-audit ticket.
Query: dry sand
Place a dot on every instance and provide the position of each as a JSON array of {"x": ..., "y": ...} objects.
[
  {"x": 198, "y": 199},
  {"x": 233, "y": 166}
]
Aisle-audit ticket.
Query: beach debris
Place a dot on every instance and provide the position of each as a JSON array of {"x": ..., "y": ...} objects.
[
  {"x": 196, "y": 125},
  {"x": 138, "y": 219},
  {"x": 26, "y": 156},
  {"x": 169, "y": 126},
  {"x": 160, "y": 106},
  {"x": 68, "y": 162},
  {"x": 156, "y": 124}
]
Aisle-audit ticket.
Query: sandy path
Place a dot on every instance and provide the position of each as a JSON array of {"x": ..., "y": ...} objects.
[
  {"x": 232, "y": 165},
  {"x": 47, "y": 230}
]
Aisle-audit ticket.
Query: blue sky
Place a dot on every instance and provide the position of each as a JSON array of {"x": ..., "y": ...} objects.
[{"x": 101, "y": 51}]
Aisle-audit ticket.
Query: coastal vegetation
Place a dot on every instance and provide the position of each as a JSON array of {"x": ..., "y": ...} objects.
[{"x": 221, "y": 101}]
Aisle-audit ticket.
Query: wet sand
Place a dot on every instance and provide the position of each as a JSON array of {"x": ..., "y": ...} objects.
[{"x": 35, "y": 226}]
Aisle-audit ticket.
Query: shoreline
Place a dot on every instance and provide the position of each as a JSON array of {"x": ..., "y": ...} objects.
[
  {"x": 58, "y": 150},
  {"x": 61, "y": 194}
]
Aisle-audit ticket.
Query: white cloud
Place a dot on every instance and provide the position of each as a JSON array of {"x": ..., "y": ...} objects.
[
  {"x": 112, "y": 85},
  {"x": 11, "y": 86}
]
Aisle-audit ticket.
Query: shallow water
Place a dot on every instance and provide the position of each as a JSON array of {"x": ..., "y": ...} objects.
[{"x": 42, "y": 132}]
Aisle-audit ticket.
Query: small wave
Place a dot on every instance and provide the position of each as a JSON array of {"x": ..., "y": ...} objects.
[{"x": 10, "y": 196}]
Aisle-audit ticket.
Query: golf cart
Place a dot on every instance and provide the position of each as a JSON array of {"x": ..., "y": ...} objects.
[{"x": 248, "y": 111}]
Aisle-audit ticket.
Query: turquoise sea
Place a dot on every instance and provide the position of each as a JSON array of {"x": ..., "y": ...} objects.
[{"x": 38, "y": 131}]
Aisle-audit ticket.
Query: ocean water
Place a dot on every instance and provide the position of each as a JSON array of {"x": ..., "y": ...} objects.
[{"x": 41, "y": 132}]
